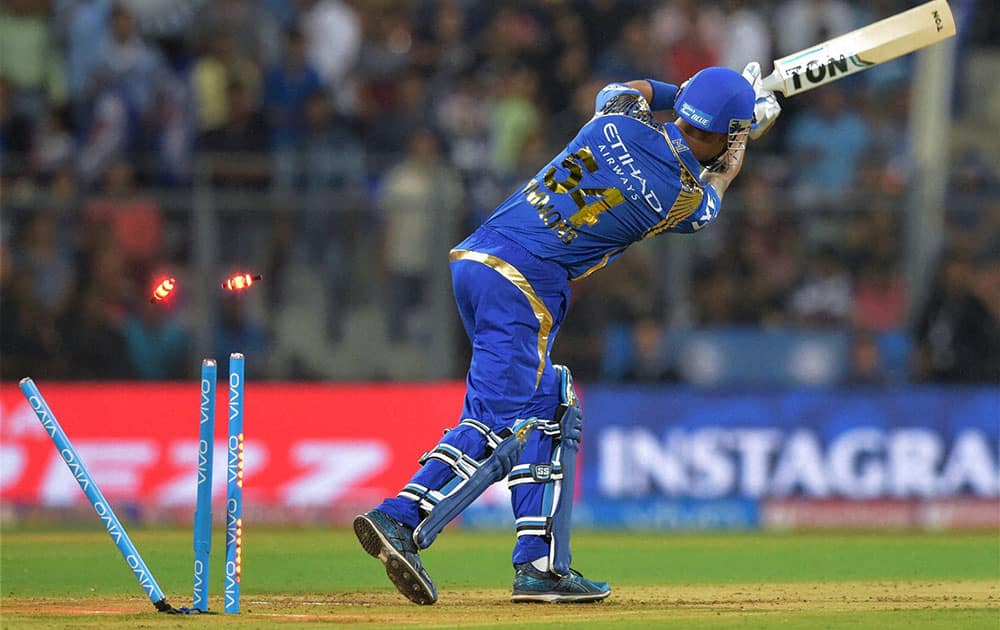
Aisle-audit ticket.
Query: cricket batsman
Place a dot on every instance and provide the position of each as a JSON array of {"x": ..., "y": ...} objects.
[{"x": 623, "y": 178}]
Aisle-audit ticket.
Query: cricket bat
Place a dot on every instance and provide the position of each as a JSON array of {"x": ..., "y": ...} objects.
[{"x": 861, "y": 49}]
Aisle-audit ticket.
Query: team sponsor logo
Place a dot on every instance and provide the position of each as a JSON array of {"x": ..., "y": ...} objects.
[
  {"x": 696, "y": 115},
  {"x": 198, "y": 600},
  {"x": 542, "y": 472},
  {"x": 230, "y": 587},
  {"x": 859, "y": 463},
  {"x": 710, "y": 211},
  {"x": 143, "y": 576},
  {"x": 621, "y": 161},
  {"x": 824, "y": 68},
  {"x": 938, "y": 22}
]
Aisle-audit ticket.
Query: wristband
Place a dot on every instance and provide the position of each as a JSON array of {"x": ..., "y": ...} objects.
[{"x": 663, "y": 95}]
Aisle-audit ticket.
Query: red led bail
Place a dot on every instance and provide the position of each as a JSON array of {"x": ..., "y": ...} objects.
[
  {"x": 163, "y": 290},
  {"x": 239, "y": 282}
]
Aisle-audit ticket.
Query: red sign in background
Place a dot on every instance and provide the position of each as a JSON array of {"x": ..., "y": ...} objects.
[{"x": 307, "y": 446}]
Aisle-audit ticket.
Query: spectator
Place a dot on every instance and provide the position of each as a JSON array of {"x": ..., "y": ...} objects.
[
  {"x": 237, "y": 332},
  {"x": 237, "y": 151},
  {"x": 958, "y": 330},
  {"x": 15, "y": 135},
  {"x": 84, "y": 28},
  {"x": 332, "y": 214},
  {"x": 333, "y": 157},
  {"x": 420, "y": 197},
  {"x": 393, "y": 114},
  {"x": 747, "y": 34},
  {"x": 44, "y": 259},
  {"x": 27, "y": 329},
  {"x": 441, "y": 49},
  {"x": 825, "y": 171},
  {"x": 866, "y": 366},
  {"x": 515, "y": 119},
  {"x": 823, "y": 297},
  {"x": 716, "y": 297},
  {"x": 880, "y": 298},
  {"x": 687, "y": 34},
  {"x": 630, "y": 317},
  {"x": 158, "y": 346},
  {"x": 128, "y": 62},
  {"x": 513, "y": 38},
  {"x": 333, "y": 39},
  {"x": 387, "y": 46},
  {"x": 210, "y": 80},
  {"x": 572, "y": 66},
  {"x": 29, "y": 58},
  {"x": 287, "y": 86},
  {"x": 145, "y": 112},
  {"x": 805, "y": 22},
  {"x": 93, "y": 341},
  {"x": 172, "y": 130},
  {"x": 255, "y": 27},
  {"x": 223, "y": 64},
  {"x": 578, "y": 110},
  {"x": 135, "y": 220},
  {"x": 767, "y": 245},
  {"x": 53, "y": 145},
  {"x": 464, "y": 118},
  {"x": 104, "y": 272},
  {"x": 629, "y": 55},
  {"x": 108, "y": 134}
]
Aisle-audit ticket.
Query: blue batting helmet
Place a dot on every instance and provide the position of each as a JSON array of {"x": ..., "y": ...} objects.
[{"x": 716, "y": 99}]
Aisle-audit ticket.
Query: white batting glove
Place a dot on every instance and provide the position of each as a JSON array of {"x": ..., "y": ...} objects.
[{"x": 766, "y": 108}]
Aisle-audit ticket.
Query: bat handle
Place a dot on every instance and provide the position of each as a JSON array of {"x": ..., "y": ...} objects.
[{"x": 774, "y": 82}]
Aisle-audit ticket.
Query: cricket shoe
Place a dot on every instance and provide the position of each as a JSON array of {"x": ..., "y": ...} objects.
[
  {"x": 532, "y": 585},
  {"x": 391, "y": 542}
]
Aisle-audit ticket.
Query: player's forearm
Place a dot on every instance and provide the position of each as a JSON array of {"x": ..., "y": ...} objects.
[
  {"x": 718, "y": 181},
  {"x": 644, "y": 88},
  {"x": 658, "y": 94},
  {"x": 725, "y": 171}
]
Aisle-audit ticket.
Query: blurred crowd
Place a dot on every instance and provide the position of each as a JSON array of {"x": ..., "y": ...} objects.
[{"x": 344, "y": 145}]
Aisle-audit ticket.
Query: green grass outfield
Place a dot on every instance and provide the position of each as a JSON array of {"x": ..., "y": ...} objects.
[{"x": 55, "y": 578}]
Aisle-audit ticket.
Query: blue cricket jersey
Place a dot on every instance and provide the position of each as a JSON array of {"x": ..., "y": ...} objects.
[{"x": 623, "y": 178}]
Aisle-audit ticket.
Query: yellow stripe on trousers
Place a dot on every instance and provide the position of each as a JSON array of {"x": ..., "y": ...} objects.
[{"x": 516, "y": 278}]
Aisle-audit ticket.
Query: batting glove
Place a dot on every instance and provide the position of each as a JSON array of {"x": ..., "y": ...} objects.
[{"x": 766, "y": 108}]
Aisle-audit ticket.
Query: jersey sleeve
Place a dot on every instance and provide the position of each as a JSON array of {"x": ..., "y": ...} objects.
[{"x": 705, "y": 214}]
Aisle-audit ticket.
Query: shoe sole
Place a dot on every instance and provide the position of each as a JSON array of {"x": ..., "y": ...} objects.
[
  {"x": 406, "y": 580},
  {"x": 557, "y": 598}
]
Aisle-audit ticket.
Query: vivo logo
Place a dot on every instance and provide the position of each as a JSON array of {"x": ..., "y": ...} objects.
[
  {"x": 142, "y": 574},
  {"x": 232, "y": 585},
  {"x": 235, "y": 390},
  {"x": 206, "y": 389},
  {"x": 48, "y": 422},
  {"x": 232, "y": 516},
  {"x": 202, "y": 461},
  {"x": 109, "y": 520},
  {"x": 199, "y": 584},
  {"x": 233, "y": 461},
  {"x": 76, "y": 469}
]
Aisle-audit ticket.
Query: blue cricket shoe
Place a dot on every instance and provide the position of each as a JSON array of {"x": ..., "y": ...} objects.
[
  {"x": 532, "y": 585},
  {"x": 392, "y": 543}
]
